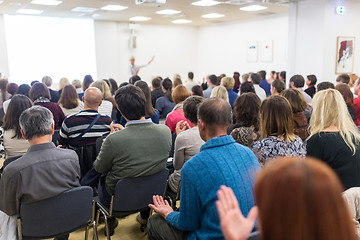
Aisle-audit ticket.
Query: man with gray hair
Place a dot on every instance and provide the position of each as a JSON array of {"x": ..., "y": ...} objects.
[
  {"x": 54, "y": 95},
  {"x": 44, "y": 171}
]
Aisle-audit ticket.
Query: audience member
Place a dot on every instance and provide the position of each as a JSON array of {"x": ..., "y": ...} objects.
[
  {"x": 298, "y": 82},
  {"x": 24, "y": 90},
  {"x": 264, "y": 83},
  {"x": 74, "y": 131},
  {"x": 277, "y": 131},
  {"x": 190, "y": 82},
  {"x": 4, "y": 95},
  {"x": 11, "y": 141},
  {"x": 237, "y": 84},
  {"x": 54, "y": 95},
  {"x": 282, "y": 76},
  {"x": 143, "y": 151},
  {"x": 246, "y": 111},
  {"x": 353, "y": 78},
  {"x": 12, "y": 89},
  {"x": 290, "y": 193},
  {"x": 256, "y": 79},
  {"x": 211, "y": 81},
  {"x": 77, "y": 85},
  {"x": 247, "y": 87},
  {"x": 245, "y": 78},
  {"x": 40, "y": 95},
  {"x": 88, "y": 80},
  {"x": 273, "y": 77},
  {"x": 188, "y": 141},
  {"x": 69, "y": 101},
  {"x": 134, "y": 79},
  {"x": 357, "y": 101},
  {"x": 220, "y": 92},
  {"x": 298, "y": 105},
  {"x": 219, "y": 158},
  {"x": 324, "y": 85},
  {"x": 108, "y": 103},
  {"x": 113, "y": 86},
  {"x": 334, "y": 137},
  {"x": 343, "y": 78},
  {"x": 229, "y": 83},
  {"x": 33, "y": 82},
  {"x": 156, "y": 90},
  {"x": 197, "y": 91},
  {"x": 177, "y": 81},
  {"x": 311, "y": 82},
  {"x": 165, "y": 104},
  {"x": 277, "y": 87},
  {"x": 63, "y": 82},
  {"x": 345, "y": 91}
]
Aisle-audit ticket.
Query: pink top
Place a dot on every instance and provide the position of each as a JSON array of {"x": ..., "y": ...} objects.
[{"x": 174, "y": 117}]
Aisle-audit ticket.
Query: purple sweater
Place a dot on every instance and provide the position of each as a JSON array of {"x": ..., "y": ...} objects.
[{"x": 56, "y": 111}]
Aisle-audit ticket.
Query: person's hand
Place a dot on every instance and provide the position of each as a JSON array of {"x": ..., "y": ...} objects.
[
  {"x": 181, "y": 126},
  {"x": 160, "y": 206},
  {"x": 233, "y": 223},
  {"x": 59, "y": 146},
  {"x": 115, "y": 127},
  {"x": 152, "y": 59}
]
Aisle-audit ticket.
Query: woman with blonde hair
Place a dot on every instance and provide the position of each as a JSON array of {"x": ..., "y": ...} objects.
[
  {"x": 177, "y": 80},
  {"x": 220, "y": 92},
  {"x": 334, "y": 138},
  {"x": 277, "y": 131},
  {"x": 63, "y": 82},
  {"x": 108, "y": 103}
]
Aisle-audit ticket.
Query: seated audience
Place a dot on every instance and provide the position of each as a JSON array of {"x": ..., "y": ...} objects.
[
  {"x": 165, "y": 104},
  {"x": 223, "y": 162},
  {"x": 108, "y": 103},
  {"x": 88, "y": 80},
  {"x": 12, "y": 89},
  {"x": 24, "y": 89},
  {"x": 245, "y": 78},
  {"x": 247, "y": 87},
  {"x": 179, "y": 94},
  {"x": 237, "y": 84},
  {"x": 298, "y": 82},
  {"x": 77, "y": 85},
  {"x": 277, "y": 131},
  {"x": 63, "y": 82},
  {"x": 357, "y": 101},
  {"x": 343, "y": 78},
  {"x": 246, "y": 111},
  {"x": 324, "y": 85},
  {"x": 345, "y": 91},
  {"x": 113, "y": 86},
  {"x": 69, "y": 101},
  {"x": 140, "y": 149},
  {"x": 298, "y": 105},
  {"x": 74, "y": 131},
  {"x": 177, "y": 81},
  {"x": 11, "y": 141},
  {"x": 264, "y": 83},
  {"x": 334, "y": 137},
  {"x": 54, "y": 95},
  {"x": 44, "y": 171},
  {"x": 311, "y": 82},
  {"x": 211, "y": 81},
  {"x": 290, "y": 194},
  {"x": 133, "y": 79},
  {"x": 190, "y": 82},
  {"x": 277, "y": 87},
  {"x": 188, "y": 141},
  {"x": 229, "y": 83},
  {"x": 256, "y": 79},
  {"x": 156, "y": 90},
  {"x": 40, "y": 95},
  {"x": 220, "y": 92},
  {"x": 197, "y": 91}
]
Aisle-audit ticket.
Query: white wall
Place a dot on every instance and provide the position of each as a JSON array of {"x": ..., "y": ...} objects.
[{"x": 4, "y": 66}]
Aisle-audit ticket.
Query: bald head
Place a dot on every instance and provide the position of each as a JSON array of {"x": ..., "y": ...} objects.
[{"x": 92, "y": 98}]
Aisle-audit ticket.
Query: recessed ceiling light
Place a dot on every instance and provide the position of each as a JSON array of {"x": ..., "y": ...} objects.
[
  {"x": 139, "y": 19},
  {"x": 29, "y": 11},
  {"x": 15, "y": 4},
  {"x": 46, "y": 2},
  {"x": 181, "y": 21},
  {"x": 84, "y": 9},
  {"x": 168, "y": 12},
  {"x": 206, "y": 3},
  {"x": 252, "y": 8},
  {"x": 213, "y": 15},
  {"x": 114, "y": 8}
]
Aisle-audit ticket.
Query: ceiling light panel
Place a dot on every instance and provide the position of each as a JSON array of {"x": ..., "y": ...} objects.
[
  {"x": 139, "y": 19},
  {"x": 30, "y": 11},
  {"x": 181, "y": 21},
  {"x": 114, "y": 8},
  {"x": 84, "y": 9},
  {"x": 253, "y": 8},
  {"x": 206, "y": 3},
  {"x": 46, "y": 2},
  {"x": 168, "y": 12},
  {"x": 213, "y": 15}
]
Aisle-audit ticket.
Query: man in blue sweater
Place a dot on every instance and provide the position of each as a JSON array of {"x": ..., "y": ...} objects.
[{"x": 221, "y": 161}]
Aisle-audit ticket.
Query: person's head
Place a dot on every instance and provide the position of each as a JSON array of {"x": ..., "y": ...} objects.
[
  {"x": 247, "y": 87},
  {"x": 156, "y": 83},
  {"x": 36, "y": 122},
  {"x": 39, "y": 90},
  {"x": 255, "y": 78},
  {"x": 92, "y": 98},
  {"x": 69, "y": 98},
  {"x": 76, "y": 83},
  {"x": 12, "y": 88},
  {"x": 262, "y": 74},
  {"x": 177, "y": 81},
  {"x": 214, "y": 118},
  {"x": 357, "y": 87},
  {"x": 212, "y": 80},
  {"x": 247, "y": 110},
  {"x": 24, "y": 89},
  {"x": 353, "y": 78},
  {"x": 228, "y": 83},
  {"x": 167, "y": 88},
  {"x": 297, "y": 81},
  {"x": 343, "y": 78},
  {"x": 273, "y": 75},
  {"x": 179, "y": 94},
  {"x": 290, "y": 194},
  {"x": 330, "y": 110},
  {"x": 345, "y": 91},
  {"x": 236, "y": 77},
  {"x": 47, "y": 81},
  {"x": 220, "y": 92},
  {"x": 276, "y": 118},
  {"x": 113, "y": 86},
  {"x": 3, "y": 84},
  {"x": 197, "y": 91},
  {"x": 134, "y": 79},
  {"x": 87, "y": 82},
  {"x": 123, "y": 84},
  {"x": 245, "y": 77},
  {"x": 103, "y": 87},
  {"x": 311, "y": 80},
  {"x": 130, "y": 101},
  {"x": 190, "y": 108},
  {"x": 63, "y": 83},
  {"x": 282, "y": 76},
  {"x": 132, "y": 60},
  {"x": 33, "y": 82},
  {"x": 191, "y": 75},
  {"x": 277, "y": 87},
  {"x": 296, "y": 99},
  {"x": 16, "y": 106},
  {"x": 324, "y": 85},
  {"x": 149, "y": 110}
]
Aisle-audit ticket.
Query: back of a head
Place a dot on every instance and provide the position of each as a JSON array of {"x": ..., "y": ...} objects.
[
  {"x": 130, "y": 101},
  {"x": 177, "y": 81},
  {"x": 24, "y": 89},
  {"x": 92, "y": 98},
  {"x": 220, "y": 92},
  {"x": 304, "y": 197},
  {"x": 36, "y": 121},
  {"x": 228, "y": 83},
  {"x": 123, "y": 84},
  {"x": 156, "y": 82},
  {"x": 247, "y": 109},
  {"x": 236, "y": 77},
  {"x": 113, "y": 86},
  {"x": 69, "y": 98},
  {"x": 256, "y": 79},
  {"x": 134, "y": 79},
  {"x": 276, "y": 118},
  {"x": 63, "y": 82},
  {"x": 247, "y": 87},
  {"x": 245, "y": 77},
  {"x": 312, "y": 78},
  {"x": 87, "y": 81},
  {"x": 296, "y": 99},
  {"x": 167, "y": 85},
  {"x": 353, "y": 78},
  {"x": 76, "y": 83},
  {"x": 213, "y": 79},
  {"x": 278, "y": 85},
  {"x": 283, "y": 75},
  {"x": 298, "y": 81},
  {"x": 39, "y": 90},
  {"x": 149, "y": 110},
  {"x": 215, "y": 113},
  {"x": 179, "y": 94},
  {"x": 191, "y": 75},
  {"x": 343, "y": 78},
  {"x": 47, "y": 81},
  {"x": 33, "y": 82},
  {"x": 12, "y": 88},
  {"x": 3, "y": 84},
  {"x": 191, "y": 107},
  {"x": 262, "y": 74},
  {"x": 197, "y": 91},
  {"x": 103, "y": 87},
  {"x": 324, "y": 85},
  {"x": 345, "y": 91}
]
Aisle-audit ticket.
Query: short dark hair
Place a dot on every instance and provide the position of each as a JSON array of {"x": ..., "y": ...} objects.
[
  {"x": 344, "y": 78},
  {"x": 213, "y": 79},
  {"x": 247, "y": 110},
  {"x": 190, "y": 108},
  {"x": 262, "y": 74},
  {"x": 191, "y": 75},
  {"x": 298, "y": 81},
  {"x": 283, "y": 74},
  {"x": 215, "y": 112},
  {"x": 156, "y": 82},
  {"x": 130, "y": 101},
  {"x": 134, "y": 79},
  {"x": 278, "y": 85},
  {"x": 197, "y": 90},
  {"x": 24, "y": 89},
  {"x": 256, "y": 79},
  {"x": 39, "y": 90},
  {"x": 312, "y": 78},
  {"x": 324, "y": 85},
  {"x": 247, "y": 87},
  {"x": 12, "y": 88},
  {"x": 123, "y": 84}
]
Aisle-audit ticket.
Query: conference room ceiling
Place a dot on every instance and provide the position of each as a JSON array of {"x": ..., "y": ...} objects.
[{"x": 229, "y": 8}]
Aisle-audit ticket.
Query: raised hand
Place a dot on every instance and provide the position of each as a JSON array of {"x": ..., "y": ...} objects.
[
  {"x": 160, "y": 206},
  {"x": 233, "y": 223}
]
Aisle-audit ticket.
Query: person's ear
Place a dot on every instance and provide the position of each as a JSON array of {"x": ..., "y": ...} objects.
[
  {"x": 100, "y": 103},
  {"x": 82, "y": 98},
  {"x": 52, "y": 129},
  {"x": 23, "y": 134}
]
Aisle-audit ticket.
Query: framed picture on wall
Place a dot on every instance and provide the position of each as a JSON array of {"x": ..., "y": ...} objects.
[
  {"x": 266, "y": 51},
  {"x": 252, "y": 51},
  {"x": 345, "y": 55}
]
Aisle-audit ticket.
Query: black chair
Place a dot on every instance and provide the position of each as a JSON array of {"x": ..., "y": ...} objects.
[
  {"x": 172, "y": 197},
  {"x": 133, "y": 195},
  {"x": 59, "y": 215},
  {"x": 55, "y": 137},
  {"x": 254, "y": 236}
]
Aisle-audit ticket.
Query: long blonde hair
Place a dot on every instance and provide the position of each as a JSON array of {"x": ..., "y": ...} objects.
[
  {"x": 220, "y": 92},
  {"x": 103, "y": 87},
  {"x": 329, "y": 109}
]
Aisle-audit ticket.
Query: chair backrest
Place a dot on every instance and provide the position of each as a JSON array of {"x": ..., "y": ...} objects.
[
  {"x": 254, "y": 236},
  {"x": 59, "y": 215},
  {"x": 136, "y": 193}
]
